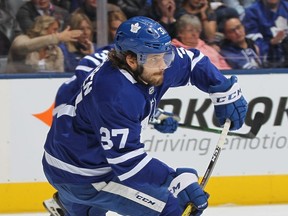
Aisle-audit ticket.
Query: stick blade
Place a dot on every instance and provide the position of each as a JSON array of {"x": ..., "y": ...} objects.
[{"x": 256, "y": 126}]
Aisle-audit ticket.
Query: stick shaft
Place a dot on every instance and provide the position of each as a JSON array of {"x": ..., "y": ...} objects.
[
  {"x": 216, "y": 153},
  {"x": 212, "y": 163}
]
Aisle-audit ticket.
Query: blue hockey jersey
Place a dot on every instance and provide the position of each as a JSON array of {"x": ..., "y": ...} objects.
[
  {"x": 83, "y": 69},
  {"x": 96, "y": 135}
]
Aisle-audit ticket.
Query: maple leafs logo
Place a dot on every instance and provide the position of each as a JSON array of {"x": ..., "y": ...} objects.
[
  {"x": 135, "y": 28},
  {"x": 280, "y": 25}
]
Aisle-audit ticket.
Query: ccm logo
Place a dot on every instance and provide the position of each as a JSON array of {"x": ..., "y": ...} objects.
[
  {"x": 229, "y": 97},
  {"x": 146, "y": 200},
  {"x": 233, "y": 94}
]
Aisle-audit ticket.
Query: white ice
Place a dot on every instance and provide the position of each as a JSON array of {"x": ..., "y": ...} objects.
[{"x": 263, "y": 210}]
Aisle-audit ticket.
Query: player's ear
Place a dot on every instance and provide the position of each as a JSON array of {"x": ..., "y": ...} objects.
[{"x": 132, "y": 62}]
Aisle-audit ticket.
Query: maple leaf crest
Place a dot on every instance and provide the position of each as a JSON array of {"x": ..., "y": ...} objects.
[{"x": 135, "y": 28}]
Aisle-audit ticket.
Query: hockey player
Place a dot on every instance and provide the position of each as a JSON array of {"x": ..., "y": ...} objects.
[
  {"x": 93, "y": 154},
  {"x": 164, "y": 122}
]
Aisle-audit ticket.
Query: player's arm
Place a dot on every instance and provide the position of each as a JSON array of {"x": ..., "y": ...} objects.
[{"x": 226, "y": 94}]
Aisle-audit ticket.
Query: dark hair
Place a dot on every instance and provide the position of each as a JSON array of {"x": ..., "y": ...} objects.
[
  {"x": 118, "y": 59},
  {"x": 224, "y": 14}
]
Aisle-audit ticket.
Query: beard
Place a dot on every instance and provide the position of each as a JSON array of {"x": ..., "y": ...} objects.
[
  {"x": 154, "y": 79},
  {"x": 147, "y": 77}
]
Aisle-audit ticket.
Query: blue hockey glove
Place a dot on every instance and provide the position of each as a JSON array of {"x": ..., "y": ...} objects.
[
  {"x": 229, "y": 103},
  {"x": 185, "y": 187},
  {"x": 165, "y": 122},
  {"x": 168, "y": 125}
]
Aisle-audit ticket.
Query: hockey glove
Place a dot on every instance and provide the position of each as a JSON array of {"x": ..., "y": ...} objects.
[
  {"x": 165, "y": 122},
  {"x": 187, "y": 190},
  {"x": 229, "y": 103}
]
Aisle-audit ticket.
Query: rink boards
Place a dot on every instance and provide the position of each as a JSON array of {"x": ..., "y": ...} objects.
[{"x": 247, "y": 171}]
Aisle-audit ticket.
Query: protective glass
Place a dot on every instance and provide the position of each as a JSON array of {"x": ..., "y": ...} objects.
[{"x": 157, "y": 60}]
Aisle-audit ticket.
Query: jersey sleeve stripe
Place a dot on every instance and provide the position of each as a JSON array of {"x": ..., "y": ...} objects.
[
  {"x": 126, "y": 157},
  {"x": 56, "y": 109},
  {"x": 95, "y": 61},
  {"x": 136, "y": 169},
  {"x": 196, "y": 59},
  {"x": 73, "y": 169},
  {"x": 83, "y": 68},
  {"x": 66, "y": 110}
]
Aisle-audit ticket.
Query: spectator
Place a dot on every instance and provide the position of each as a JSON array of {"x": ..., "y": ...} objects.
[
  {"x": 12, "y": 5},
  {"x": 239, "y": 51},
  {"x": 188, "y": 36},
  {"x": 89, "y": 62},
  {"x": 65, "y": 4},
  {"x": 266, "y": 23},
  {"x": 238, "y": 5},
  {"x": 4, "y": 44},
  {"x": 89, "y": 8},
  {"x": 204, "y": 12},
  {"x": 37, "y": 50},
  {"x": 164, "y": 11},
  {"x": 135, "y": 7},
  {"x": 115, "y": 18},
  {"x": 222, "y": 11},
  {"x": 34, "y": 8},
  {"x": 69, "y": 5},
  {"x": 8, "y": 24},
  {"x": 74, "y": 51}
]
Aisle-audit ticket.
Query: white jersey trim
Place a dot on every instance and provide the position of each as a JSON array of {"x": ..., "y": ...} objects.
[
  {"x": 94, "y": 60},
  {"x": 195, "y": 60},
  {"x": 56, "y": 109},
  {"x": 136, "y": 169},
  {"x": 73, "y": 169},
  {"x": 126, "y": 157},
  {"x": 84, "y": 68},
  {"x": 128, "y": 76},
  {"x": 70, "y": 80},
  {"x": 135, "y": 195},
  {"x": 99, "y": 185},
  {"x": 66, "y": 110}
]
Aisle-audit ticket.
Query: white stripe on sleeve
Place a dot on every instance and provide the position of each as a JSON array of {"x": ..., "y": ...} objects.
[
  {"x": 66, "y": 110},
  {"x": 84, "y": 68},
  {"x": 126, "y": 157},
  {"x": 136, "y": 169}
]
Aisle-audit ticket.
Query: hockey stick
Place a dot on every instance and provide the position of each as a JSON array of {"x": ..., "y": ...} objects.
[
  {"x": 189, "y": 208},
  {"x": 255, "y": 128}
]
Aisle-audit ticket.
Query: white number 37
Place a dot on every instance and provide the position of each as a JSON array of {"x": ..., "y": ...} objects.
[{"x": 106, "y": 135}]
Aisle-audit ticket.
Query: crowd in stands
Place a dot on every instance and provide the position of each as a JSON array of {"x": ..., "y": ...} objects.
[{"x": 54, "y": 35}]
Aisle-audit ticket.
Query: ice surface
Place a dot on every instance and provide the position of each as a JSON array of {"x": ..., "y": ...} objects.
[{"x": 263, "y": 210}]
